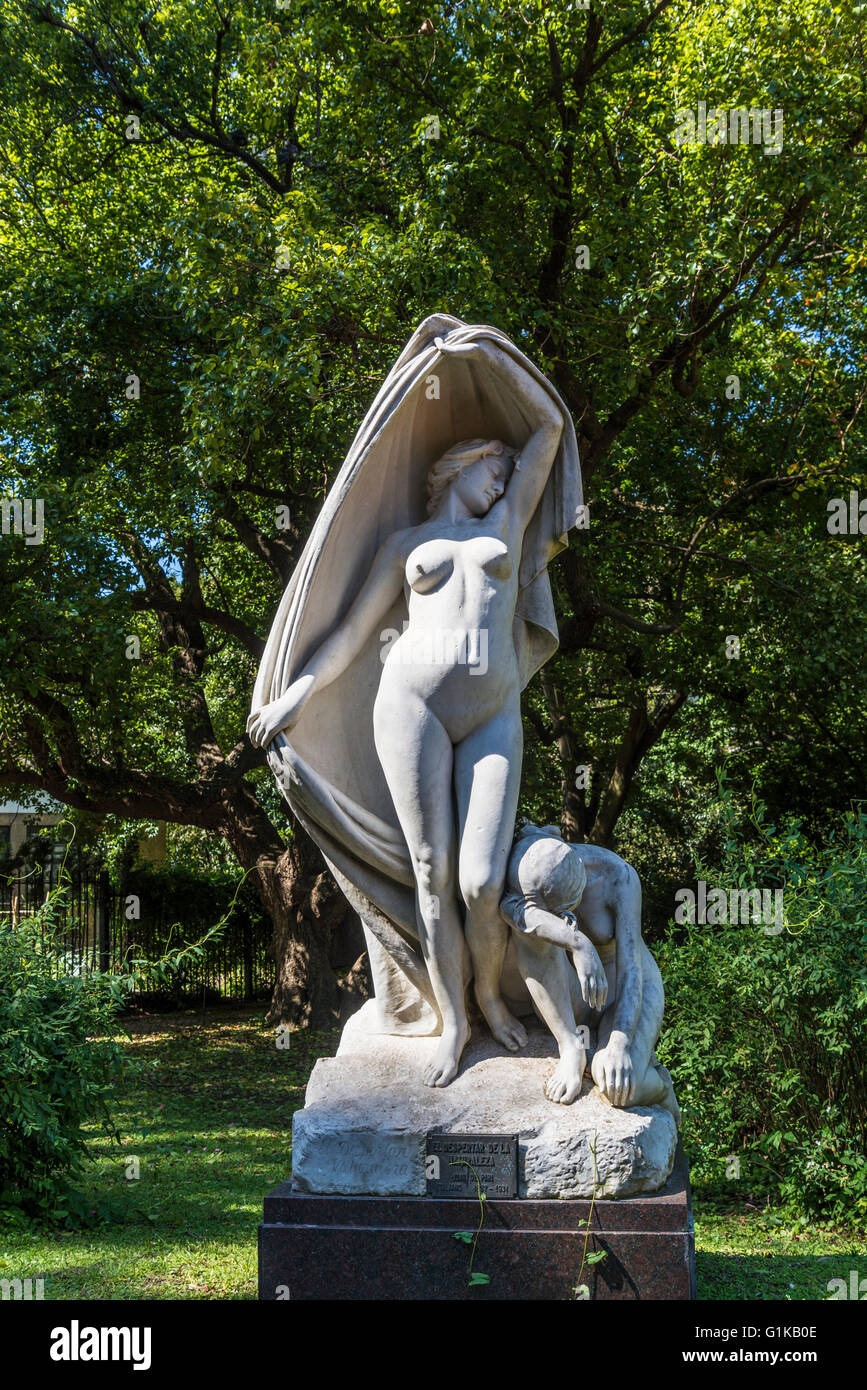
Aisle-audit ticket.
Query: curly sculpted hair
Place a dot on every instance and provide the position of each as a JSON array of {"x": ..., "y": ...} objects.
[{"x": 455, "y": 460}]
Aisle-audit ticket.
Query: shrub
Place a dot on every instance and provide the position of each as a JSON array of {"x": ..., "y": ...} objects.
[
  {"x": 58, "y": 1063},
  {"x": 59, "y": 1055},
  {"x": 766, "y": 1030}
]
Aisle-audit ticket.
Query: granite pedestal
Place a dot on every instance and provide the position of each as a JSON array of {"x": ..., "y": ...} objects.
[
  {"x": 404, "y": 1248},
  {"x": 356, "y": 1221}
]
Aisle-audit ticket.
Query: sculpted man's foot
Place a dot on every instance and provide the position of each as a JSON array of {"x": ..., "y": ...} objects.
[
  {"x": 447, "y": 1058},
  {"x": 564, "y": 1086},
  {"x": 505, "y": 1027}
]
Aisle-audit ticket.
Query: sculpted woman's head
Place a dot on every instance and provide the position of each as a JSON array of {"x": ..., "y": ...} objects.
[{"x": 477, "y": 469}]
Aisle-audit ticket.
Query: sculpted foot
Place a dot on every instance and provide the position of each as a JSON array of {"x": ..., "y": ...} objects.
[
  {"x": 506, "y": 1029},
  {"x": 447, "y": 1058},
  {"x": 565, "y": 1085}
]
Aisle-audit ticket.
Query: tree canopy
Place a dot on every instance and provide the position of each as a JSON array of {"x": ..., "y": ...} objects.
[{"x": 219, "y": 224}]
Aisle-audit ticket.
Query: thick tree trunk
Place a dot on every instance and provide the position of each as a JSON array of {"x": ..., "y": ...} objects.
[
  {"x": 593, "y": 817},
  {"x": 305, "y": 985},
  {"x": 315, "y": 934},
  {"x": 642, "y": 732},
  {"x": 573, "y": 814}
]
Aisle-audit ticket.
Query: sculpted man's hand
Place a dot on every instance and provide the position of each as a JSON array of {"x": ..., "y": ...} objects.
[
  {"x": 613, "y": 1072},
  {"x": 592, "y": 980}
]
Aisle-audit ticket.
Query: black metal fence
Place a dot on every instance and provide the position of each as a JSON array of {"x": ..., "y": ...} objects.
[{"x": 100, "y": 925}]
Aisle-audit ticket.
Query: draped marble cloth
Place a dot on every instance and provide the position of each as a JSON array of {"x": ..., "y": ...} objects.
[{"x": 328, "y": 768}]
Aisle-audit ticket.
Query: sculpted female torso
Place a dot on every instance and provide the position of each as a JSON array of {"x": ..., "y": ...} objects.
[
  {"x": 447, "y": 724},
  {"x": 461, "y": 584}
]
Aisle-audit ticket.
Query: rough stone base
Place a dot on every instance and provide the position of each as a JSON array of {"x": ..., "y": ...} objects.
[
  {"x": 404, "y": 1248},
  {"x": 367, "y": 1113}
]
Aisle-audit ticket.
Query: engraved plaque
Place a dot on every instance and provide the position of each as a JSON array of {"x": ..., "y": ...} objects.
[{"x": 453, "y": 1160}]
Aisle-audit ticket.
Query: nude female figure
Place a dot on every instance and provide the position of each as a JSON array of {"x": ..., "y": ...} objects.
[{"x": 448, "y": 732}]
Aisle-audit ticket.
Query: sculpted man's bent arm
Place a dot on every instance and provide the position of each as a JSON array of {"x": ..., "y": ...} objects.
[
  {"x": 613, "y": 1066},
  {"x": 626, "y": 906}
]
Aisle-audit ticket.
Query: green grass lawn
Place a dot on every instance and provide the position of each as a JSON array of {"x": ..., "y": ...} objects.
[
  {"x": 758, "y": 1255},
  {"x": 207, "y": 1111}
]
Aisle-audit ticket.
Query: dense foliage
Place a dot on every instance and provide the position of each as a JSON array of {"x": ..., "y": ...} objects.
[
  {"x": 60, "y": 1053},
  {"x": 766, "y": 1023},
  {"x": 59, "y": 1060}
]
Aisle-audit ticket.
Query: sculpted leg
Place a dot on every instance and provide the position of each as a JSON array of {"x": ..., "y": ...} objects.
[
  {"x": 417, "y": 758},
  {"x": 487, "y": 781},
  {"x": 546, "y": 971},
  {"x": 651, "y": 1085}
]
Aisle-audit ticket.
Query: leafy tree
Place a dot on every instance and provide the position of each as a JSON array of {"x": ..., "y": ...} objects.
[{"x": 219, "y": 223}]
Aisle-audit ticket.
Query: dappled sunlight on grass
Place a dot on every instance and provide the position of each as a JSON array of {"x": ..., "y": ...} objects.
[
  {"x": 206, "y": 1110},
  {"x": 761, "y": 1255}
]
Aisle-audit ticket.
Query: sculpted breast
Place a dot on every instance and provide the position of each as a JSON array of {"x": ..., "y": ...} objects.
[
  {"x": 431, "y": 564},
  {"x": 497, "y": 561}
]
